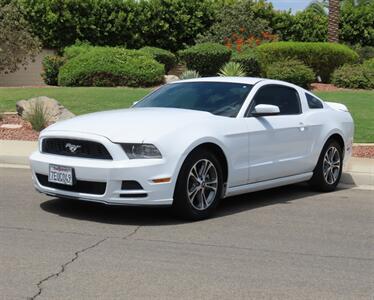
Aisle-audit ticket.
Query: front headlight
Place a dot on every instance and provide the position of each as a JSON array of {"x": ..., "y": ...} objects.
[{"x": 136, "y": 151}]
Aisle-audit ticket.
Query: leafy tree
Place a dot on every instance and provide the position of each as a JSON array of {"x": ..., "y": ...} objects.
[
  {"x": 240, "y": 16},
  {"x": 17, "y": 44}
]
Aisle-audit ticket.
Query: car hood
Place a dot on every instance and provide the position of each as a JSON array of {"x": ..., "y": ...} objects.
[{"x": 133, "y": 124}]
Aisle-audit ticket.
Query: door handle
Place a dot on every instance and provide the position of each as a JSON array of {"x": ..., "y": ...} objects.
[{"x": 302, "y": 126}]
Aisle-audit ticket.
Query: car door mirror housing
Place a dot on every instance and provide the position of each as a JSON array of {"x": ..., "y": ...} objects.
[{"x": 265, "y": 110}]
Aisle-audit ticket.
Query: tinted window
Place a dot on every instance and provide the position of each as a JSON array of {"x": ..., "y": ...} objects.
[
  {"x": 219, "y": 98},
  {"x": 286, "y": 98},
  {"x": 313, "y": 102}
]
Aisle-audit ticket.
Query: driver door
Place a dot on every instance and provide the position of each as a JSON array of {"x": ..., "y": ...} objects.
[{"x": 277, "y": 143}]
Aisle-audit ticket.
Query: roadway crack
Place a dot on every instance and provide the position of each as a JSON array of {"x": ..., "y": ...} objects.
[
  {"x": 132, "y": 233},
  {"x": 63, "y": 268},
  {"x": 76, "y": 256}
]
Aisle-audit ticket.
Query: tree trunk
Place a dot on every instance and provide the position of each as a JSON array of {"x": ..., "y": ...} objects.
[{"x": 333, "y": 29}]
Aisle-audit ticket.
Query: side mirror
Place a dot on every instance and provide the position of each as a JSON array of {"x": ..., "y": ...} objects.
[{"x": 265, "y": 110}]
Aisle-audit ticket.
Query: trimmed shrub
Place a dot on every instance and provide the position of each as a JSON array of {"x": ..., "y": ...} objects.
[
  {"x": 189, "y": 74},
  {"x": 206, "y": 58},
  {"x": 352, "y": 76},
  {"x": 164, "y": 57},
  {"x": 365, "y": 52},
  {"x": 101, "y": 66},
  {"x": 323, "y": 58},
  {"x": 368, "y": 66},
  {"x": 232, "y": 69},
  {"x": 51, "y": 67},
  {"x": 76, "y": 49},
  {"x": 249, "y": 62},
  {"x": 291, "y": 70}
]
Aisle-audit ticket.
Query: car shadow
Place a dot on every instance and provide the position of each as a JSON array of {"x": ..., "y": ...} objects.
[{"x": 158, "y": 216}]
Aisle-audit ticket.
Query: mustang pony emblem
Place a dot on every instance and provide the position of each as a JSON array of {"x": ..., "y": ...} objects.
[{"x": 72, "y": 148}]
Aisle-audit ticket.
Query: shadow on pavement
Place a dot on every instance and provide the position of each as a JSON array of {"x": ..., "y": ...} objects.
[{"x": 158, "y": 216}]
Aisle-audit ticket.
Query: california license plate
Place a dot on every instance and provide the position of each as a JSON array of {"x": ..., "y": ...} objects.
[{"x": 61, "y": 175}]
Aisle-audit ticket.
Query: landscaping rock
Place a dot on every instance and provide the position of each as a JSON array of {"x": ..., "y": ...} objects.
[
  {"x": 56, "y": 112},
  {"x": 170, "y": 78},
  {"x": 11, "y": 126}
]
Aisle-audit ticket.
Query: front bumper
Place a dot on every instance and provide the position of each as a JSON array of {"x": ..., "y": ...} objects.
[{"x": 112, "y": 173}]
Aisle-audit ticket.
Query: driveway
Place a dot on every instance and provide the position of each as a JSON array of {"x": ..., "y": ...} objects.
[{"x": 286, "y": 243}]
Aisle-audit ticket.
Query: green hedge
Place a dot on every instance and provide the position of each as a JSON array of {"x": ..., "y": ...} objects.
[
  {"x": 354, "y": 77},
  {"x": 168, "y": 24},
  {"x": 75, "y": 50},
  {"x": 164, "y": 57},
  {"x": 323, "y": 58},
  {"x": 104, "y": 66},
  {"x": 51, "y": 67},
  {"x": 291, "y": 70},
  {"x": 249, "y": 61},
  {"x": 206, "y": 58}
]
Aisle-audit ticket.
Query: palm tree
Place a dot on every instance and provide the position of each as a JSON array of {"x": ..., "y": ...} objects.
[{"x": 333, "y": 28}]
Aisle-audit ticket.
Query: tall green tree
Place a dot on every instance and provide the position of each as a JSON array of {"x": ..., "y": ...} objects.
[{"x": 17, "y": 44}]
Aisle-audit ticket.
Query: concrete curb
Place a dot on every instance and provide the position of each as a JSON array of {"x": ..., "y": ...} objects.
[
  {"x": 358, "y": 172},
  {"x": 16, "y": 152}
]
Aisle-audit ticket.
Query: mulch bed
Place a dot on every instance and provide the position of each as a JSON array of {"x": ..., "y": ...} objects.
[
  {"x": 363, "y": 151},
  {"x": 25, "y": 133}
]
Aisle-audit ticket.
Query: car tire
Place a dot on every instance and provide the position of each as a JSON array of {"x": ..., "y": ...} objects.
[
  {"x": 199, "y": 186},
  {"x": 327, "y": 173}
]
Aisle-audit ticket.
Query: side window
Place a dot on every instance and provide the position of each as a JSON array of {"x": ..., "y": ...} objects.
[
  {"x": 286, "y": 98},
  {"x": 313, "y": 102}
]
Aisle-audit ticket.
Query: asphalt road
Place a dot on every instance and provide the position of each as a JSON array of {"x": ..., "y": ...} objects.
[{"x": 287, "y": 243}]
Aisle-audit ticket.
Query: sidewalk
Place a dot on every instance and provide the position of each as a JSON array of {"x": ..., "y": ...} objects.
[
  {"x": 359, "y": 171},
  {"x": 16, "y": 152}
]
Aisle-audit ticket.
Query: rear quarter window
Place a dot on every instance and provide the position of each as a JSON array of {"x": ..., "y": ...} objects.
[{"x": 313, "y": 102}]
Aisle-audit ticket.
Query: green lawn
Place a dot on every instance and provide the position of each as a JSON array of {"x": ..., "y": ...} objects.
[
  {"x": 361, "y": 106},
  {"x": 79, "y": 100},
  {"x": 84, "y": 100}
]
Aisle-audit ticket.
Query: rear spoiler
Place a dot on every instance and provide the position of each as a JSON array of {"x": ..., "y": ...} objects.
[{"x": 337, "y": 106}]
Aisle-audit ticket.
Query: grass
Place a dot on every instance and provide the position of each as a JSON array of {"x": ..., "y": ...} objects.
[
  {"x": 361, "y": 106},
  {"x": 84, "y": 100},
  {"x": 79, "y": 100}
]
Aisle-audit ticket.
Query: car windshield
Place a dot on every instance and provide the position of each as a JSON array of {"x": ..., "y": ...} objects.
[{"x": 219, "y": 98}]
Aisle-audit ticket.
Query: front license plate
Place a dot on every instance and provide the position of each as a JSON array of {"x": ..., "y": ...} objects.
[{"x": 61, "y": 175}]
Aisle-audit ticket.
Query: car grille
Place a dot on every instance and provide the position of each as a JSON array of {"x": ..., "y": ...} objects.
[
  {"x": 75, "y": 148},
  {"x": 80, "y": 186}
]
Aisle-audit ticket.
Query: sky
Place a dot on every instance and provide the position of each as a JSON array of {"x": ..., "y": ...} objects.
[{"x": 294, "y": 5}]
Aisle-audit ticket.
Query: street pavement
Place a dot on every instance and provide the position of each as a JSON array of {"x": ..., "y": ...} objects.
[{"x": 286, "y": 243}]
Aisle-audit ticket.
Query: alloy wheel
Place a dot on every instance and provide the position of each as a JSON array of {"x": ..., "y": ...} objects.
[
  {"x": 331, "y": 165},
  {"x": 202, "y": 184}
]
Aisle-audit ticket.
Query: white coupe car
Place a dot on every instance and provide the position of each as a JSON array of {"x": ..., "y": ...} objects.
[{"x": 190, "y": 143}]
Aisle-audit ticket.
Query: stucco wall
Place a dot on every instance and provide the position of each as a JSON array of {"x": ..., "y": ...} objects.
[{"x": 30, "y": 76}]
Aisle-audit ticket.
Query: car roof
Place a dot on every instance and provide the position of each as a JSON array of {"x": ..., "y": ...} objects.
[{"x": 244, "y": 80}]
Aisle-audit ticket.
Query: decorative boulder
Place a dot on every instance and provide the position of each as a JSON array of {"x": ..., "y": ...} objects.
[
  {"x": 170, "y": 78},
  {"x": 55, "y": 111}
]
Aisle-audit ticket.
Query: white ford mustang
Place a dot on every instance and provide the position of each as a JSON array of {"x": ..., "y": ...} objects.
[{"x": 190, "y": 143}]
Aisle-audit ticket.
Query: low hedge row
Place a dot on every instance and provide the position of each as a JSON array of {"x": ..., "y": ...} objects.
[
  {"x": 291, "y": 70},
  {"x": 206, "y": 58},
  {"x": 164, "y": 57},
  {"x": 249, "y": 61},
  {"x": 358, "y": 76},
  {"x": 323, "y": 58},
  {"x": 104, "y": 66}
]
